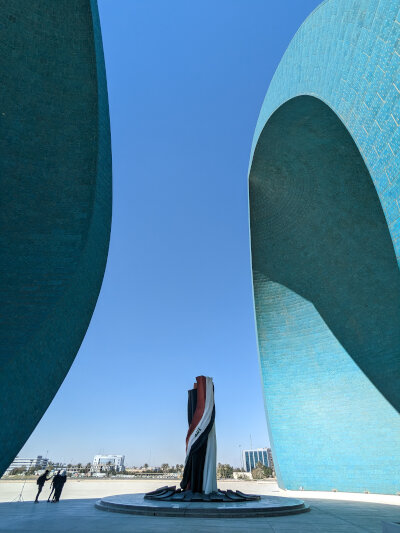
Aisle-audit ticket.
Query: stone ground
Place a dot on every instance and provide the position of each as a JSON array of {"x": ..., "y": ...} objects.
[{"x": 330, "y": 512}]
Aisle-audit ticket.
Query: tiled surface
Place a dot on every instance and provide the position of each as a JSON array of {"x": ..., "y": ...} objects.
[
  {"x": 326, "y": 516},
  {"x": 326, "y": 291},
  {"x": 56, "y": 190}
]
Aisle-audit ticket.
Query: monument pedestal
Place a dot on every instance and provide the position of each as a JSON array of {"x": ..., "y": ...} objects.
[{"x": 137, "y": 504}]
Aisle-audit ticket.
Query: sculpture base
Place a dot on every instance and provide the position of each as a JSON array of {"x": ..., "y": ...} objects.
[
  {"x": 137, "y": 504},
  {"x": 172, "y": 494}
]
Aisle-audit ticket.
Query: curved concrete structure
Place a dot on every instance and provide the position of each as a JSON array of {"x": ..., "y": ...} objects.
[
  {"x": 325, "y": 238},
  {"x": 56, "y": 212}
]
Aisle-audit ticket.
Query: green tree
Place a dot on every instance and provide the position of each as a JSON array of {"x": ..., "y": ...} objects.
[
  {"x": 261, "y": 471},
  {"x": 179, "y": 468},
  {"x": 224, "y": 471},
  {"x": 19, "y": 470},
  {"x": 111, "y": 470}
]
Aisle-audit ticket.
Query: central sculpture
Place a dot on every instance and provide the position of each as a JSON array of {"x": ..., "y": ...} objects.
[
  {"x": 200, "y": 472},
  {"x": 199, "y": 480}
]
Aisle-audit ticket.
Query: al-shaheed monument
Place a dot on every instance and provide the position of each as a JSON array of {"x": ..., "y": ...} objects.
[
  {"x": 56, "y": 200},
  {"x": 325, "y": 240},
  {"x": 324, "y": 187}
]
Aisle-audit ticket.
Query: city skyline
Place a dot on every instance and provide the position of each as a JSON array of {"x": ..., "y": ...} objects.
[
  {"x": 238, "y": 462},
  {"x": 55, "y": 461}
]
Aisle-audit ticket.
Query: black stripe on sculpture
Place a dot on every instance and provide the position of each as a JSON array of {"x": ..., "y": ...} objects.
[
  {"x": 194, "y": 467},
  {"x": 192, "y": 404}
]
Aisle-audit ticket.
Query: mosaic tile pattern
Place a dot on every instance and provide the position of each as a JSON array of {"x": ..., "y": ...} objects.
[
  {"x": 331, "y": 398},
  {"x": 56, "y": 189}
]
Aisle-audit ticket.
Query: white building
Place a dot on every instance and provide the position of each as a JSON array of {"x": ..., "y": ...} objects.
[
  {"x": 103, "y": 463},
  {"x": 39, "y": 463},
  {"x": 252, "y": 457}
]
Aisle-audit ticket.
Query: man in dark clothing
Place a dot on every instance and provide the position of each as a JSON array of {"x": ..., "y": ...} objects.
[
  {"x": 54, "y": 482},
  {"x": 59, "y": 485},
  {"x": 40, "y": 482}
]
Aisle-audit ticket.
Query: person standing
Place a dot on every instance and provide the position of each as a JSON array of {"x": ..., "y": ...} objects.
[
  {"x": 40, "y": 482},
  {"x": 59, "y": 486},
  {"x": 53, "y": 485}
]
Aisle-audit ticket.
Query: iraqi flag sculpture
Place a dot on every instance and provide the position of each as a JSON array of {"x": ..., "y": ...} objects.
[
  {"x": 199, "y": 480},
  {"x": 200, "y": 473}
]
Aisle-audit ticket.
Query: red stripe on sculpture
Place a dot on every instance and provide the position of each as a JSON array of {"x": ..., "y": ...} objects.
[{"x": 201, "y": 402}]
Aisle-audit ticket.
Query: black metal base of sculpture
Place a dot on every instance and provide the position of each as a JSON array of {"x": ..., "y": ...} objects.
[{"x": 172, "y": 494}]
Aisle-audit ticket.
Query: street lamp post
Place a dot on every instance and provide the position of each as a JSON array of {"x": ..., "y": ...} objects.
[{"x": 241, "y": 456}]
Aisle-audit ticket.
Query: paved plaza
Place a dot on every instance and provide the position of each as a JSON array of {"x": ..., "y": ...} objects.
[{"x": 330, "y": 512}]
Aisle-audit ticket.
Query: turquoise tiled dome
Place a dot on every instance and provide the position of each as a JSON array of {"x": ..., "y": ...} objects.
[{"x": 325, "y": 232}]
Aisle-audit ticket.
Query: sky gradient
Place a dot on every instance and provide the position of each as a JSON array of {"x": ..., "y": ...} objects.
[{"x": 186, "y": 82}]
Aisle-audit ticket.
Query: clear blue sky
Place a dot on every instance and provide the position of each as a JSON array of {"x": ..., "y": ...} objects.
[{"x": 186, "y": 81}]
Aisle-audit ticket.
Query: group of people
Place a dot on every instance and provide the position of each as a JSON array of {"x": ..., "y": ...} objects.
[{"x": 57, "y": 484}]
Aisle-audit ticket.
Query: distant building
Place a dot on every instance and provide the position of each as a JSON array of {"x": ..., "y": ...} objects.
[
  {"x": 252, "y": 457},
  {"x": 39, "y": 463},
  {"x": 59, "y": 466},
  {"x": 104, "y": 463}
]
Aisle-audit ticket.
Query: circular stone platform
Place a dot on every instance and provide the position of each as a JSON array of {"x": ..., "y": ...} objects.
[{"x": 138, "y": 505}]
